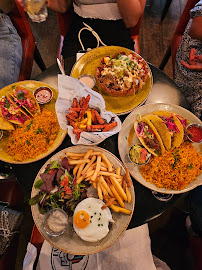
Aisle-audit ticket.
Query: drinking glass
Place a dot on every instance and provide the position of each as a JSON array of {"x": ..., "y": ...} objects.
[
  {"x": 162, "y": 196},
  {"x": 37, "y": 10}
]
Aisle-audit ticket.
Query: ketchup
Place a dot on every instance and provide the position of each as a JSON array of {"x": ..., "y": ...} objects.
[{"x": 196, "y": 133}]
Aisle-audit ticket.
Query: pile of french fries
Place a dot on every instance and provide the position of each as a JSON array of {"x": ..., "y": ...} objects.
[
  {"x": 82, "y": 118},
  {"x": 112, "y": 187}
]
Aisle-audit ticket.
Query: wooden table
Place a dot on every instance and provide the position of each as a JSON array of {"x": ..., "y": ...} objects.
[{"x": 147, "y": 207}]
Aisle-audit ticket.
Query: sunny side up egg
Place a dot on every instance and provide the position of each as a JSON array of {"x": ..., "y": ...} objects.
[{"x": 90, "y": 222}]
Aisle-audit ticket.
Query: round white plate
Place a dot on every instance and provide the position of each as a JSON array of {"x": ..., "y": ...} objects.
[
  {"x": 70, "y": 242},
  {"x": 125, "y": 141}
]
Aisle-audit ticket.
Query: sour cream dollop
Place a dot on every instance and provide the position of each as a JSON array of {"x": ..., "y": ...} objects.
[{"x": 43, "y": 95}]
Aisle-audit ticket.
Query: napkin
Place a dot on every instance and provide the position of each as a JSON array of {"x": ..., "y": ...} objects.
[
  {"x": 30, "y": 257},
  {"x": 131, "y": 251},
  {"x": 70, "y": 88}
]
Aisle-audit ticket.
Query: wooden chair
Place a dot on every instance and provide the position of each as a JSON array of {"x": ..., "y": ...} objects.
[
  {"x": 177, "y": 36},
  {"x": 30, "y": 51},
  {"x": 36, "y": 238},
  {"x": 165, "y": 9},
  {"x": 65, "y": 19}
]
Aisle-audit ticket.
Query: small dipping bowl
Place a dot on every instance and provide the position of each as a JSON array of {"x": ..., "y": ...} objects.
[
  {"x": 88, "y": 80},
  {"x": 55, "y": 222},
  {"x": 43, "y": 94},
  {"x": 194, "y": 133},
  {"x": 136, "y": 152}
]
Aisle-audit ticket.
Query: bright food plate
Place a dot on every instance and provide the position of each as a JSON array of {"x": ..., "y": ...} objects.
[
  {"x": 127, "y": 138},
  {"x": 70, "y": 242},
  {"x": 32, "y": 85},
  {"x": 88, "y": 64}
]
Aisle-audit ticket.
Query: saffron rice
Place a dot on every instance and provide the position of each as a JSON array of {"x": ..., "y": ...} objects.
[
  {"x": 34, "y": 137},
  {"x": 174, "y": 169}
]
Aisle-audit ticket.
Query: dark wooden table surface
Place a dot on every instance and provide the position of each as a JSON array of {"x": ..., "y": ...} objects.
[{"x": 147, "y": 207}]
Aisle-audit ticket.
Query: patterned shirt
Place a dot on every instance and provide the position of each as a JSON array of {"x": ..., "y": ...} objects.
[{"x": 190, "y": 81}]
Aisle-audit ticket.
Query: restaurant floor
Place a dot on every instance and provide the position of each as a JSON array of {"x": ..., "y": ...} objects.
[{"x": 168, "y": 232}]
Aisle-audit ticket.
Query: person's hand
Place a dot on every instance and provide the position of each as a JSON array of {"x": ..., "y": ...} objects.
[
  {"x": 195, "y": 61},
  {"x": 22, "y": 3}
]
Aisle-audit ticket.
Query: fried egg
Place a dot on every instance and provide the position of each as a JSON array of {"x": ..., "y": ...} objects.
[{"x": 90, "y": 222}]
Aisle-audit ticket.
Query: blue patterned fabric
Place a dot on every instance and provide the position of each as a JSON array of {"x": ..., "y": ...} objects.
[{"x": 10, "y": 52}]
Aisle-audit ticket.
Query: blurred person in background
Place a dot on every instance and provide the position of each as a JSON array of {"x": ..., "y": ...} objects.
[
  {"x": 188, "y": 76},
  {"x": 10, "y": 46},
  {"x": 110, "y": 19},
  {"x": 188, "y": 66}
]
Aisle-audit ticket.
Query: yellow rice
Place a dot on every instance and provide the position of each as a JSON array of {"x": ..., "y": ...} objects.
[
  {"x": 174, "y": 169},
  {"x": 34, "y": 137}
]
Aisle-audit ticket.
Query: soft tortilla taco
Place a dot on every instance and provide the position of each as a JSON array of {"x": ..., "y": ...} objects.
[
  {"x": 162, "y": 129},
  {"x": 148, "y": 136},
  {"x": 11, "y": 112},
  {"x": 174, "y": 126},
  {"x": 25, "y": 98}
]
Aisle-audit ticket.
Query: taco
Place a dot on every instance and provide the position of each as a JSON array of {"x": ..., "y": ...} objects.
[
  {"x": 25, "y": 98},
  {"x": 11, "y": 112},
  {"x": 5, "y": 124},
  {"x": 161, "y": 128},
  {"x": 122, "y": 74},
  {"x": 148, "y": 136},
  {"x": 174, "y": 126}
]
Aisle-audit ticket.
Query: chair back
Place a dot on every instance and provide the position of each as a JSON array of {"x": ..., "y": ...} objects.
[
  {"x": 135, "y": 31},
  {"x": 36, "y": 238},
  {"x": 64, "y": 22},
  {"x": 20, "y": 22}
]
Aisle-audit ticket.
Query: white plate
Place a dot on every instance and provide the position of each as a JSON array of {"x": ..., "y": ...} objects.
[
  {"x": 70, "y": 242},
  {"x": 124, "y": 144}
]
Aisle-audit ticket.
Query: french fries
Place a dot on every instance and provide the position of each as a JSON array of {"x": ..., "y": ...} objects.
[
  {"x": 82, "y": 118},
  {"x": 112, "y": 187}
]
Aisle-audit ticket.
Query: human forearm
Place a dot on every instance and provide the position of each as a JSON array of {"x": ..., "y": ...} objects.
[
  {"x": 195, "y": 31},
  {"x": 131, "y": 11}
]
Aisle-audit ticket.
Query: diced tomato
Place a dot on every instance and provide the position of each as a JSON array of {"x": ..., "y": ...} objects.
[
  {"x": 51, "y": 171},
  {"x": 143, "y": 155},
  {"x": 65, "y": 184}
]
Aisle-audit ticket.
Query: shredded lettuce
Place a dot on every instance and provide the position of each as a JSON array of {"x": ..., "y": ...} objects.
[{"x": 55, "y": 164}]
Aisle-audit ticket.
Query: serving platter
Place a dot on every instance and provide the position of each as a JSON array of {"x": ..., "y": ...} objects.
[
  {"x": 88, "y": 64},
  {"x": 32, "y": 85},
  {"x": 70, "y": 242},
  {"x": 127, "y": 138}
]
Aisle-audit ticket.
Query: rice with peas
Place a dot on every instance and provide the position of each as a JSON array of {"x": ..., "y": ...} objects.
[
  {"x": 34, "y": 137},
  {"x": 174, "y": 169}
]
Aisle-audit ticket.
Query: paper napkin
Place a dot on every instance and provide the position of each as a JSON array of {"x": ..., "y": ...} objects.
[{"x": 70, "y": 88}]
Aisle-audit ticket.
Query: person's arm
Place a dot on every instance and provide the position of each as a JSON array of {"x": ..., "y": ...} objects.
[
  {"x": 59, "y": 5},
  {"x": 195, "y": 61},
  {"x": 131, "y": 11},
  {"x": 195, "y": 31}
]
